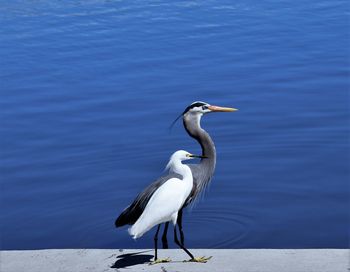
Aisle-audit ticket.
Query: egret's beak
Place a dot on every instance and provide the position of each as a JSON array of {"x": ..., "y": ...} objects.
[
  {"x": 221, "y": 109},
  {"x": 197, "y": 156}
]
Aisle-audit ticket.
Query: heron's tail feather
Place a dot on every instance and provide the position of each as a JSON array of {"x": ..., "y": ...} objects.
[
  {"x": 128, "y": 216},
  {"x": 132, "y": 213},
  {"x": 122, "y": 218}
]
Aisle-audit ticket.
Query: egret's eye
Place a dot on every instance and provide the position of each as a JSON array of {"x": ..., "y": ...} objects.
[{"x": 204, "y": 107}]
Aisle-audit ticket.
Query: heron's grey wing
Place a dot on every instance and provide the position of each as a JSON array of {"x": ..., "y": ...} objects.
[
  {"x": 130, "y": 215},
  {"x": 200, "y": 181}
]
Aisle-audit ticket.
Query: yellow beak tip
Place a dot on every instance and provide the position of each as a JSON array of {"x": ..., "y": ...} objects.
[{"x": 230, "y": 109}]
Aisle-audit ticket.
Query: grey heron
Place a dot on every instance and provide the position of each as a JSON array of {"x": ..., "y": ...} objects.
[
  {"x": 202, "y": 172},
  {"x": 167, "y": 200}
]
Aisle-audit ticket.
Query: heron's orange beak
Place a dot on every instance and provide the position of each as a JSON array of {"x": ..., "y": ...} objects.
[{"x": 221, "y": 109}]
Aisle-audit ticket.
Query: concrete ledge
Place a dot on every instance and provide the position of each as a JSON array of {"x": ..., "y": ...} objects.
[{"x": 223, "y": 260}]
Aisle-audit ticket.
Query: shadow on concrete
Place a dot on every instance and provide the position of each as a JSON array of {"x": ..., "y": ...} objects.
[{"x": 126, "y": 260}]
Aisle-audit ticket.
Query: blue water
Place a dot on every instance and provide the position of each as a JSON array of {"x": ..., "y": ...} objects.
[{"x": 89, "y": 89}]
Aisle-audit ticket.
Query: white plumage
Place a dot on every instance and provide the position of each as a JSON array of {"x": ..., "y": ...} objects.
[{"x": 168, "y": 199}]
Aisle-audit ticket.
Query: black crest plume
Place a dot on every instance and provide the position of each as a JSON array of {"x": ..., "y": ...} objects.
[{"x": 193, "y": 105}]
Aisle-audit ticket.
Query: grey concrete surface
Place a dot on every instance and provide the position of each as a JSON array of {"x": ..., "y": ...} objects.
[{"x": 223, "y": 260}]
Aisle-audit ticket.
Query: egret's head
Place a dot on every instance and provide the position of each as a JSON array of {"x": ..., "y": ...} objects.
[
  {"x": 183, "y": 155},
  {"x": 178, "y": 157}
]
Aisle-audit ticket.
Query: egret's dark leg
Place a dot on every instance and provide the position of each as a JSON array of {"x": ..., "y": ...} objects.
[
  {"x": 181, "y": 245},
  {"x": 164, "y": 239},
  {"x": 179, "y": 223},
  {"x": 156, "y": 260},
  {"x": 156, "y": 243}
]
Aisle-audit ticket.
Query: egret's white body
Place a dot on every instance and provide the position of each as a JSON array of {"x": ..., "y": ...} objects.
[{"x": 168, "y": 199}]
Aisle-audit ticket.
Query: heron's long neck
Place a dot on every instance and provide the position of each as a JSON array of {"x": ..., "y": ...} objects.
[{"x": 193, "y": 128}]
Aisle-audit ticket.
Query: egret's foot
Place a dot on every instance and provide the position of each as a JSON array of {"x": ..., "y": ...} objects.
[
  {"x": 199, "y": 259},
  {"x": 166, "y": 260}
]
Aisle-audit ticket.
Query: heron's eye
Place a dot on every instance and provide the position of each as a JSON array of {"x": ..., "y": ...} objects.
[{"x": 204, "y": 107}]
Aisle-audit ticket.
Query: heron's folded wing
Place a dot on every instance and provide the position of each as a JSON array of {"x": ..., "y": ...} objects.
[
  {"x": 130, "y": 215},
  {"x": 200, "y": 183}
]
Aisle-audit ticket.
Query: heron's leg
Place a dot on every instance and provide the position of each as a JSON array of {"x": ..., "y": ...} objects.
[
  {"x": 164, "y": 239},
  {"x": 179, "y": 223},
  {"x": 181, "y": 245},
  {"x": 156, "y": 243}
]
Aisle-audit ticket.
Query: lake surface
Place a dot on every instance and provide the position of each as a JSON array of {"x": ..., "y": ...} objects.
[{"x": 89, "y": 89}]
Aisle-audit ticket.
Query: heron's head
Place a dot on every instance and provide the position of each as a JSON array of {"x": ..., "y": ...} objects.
[
  {"x": 200, "y": 108},
  {"x": 194, "y": 112}
]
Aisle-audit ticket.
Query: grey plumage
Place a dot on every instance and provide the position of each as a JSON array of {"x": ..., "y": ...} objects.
[{"x": 202, "y": 172}]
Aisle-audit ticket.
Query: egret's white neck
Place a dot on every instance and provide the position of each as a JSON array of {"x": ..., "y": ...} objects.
[{"x": 177, "y": 167}]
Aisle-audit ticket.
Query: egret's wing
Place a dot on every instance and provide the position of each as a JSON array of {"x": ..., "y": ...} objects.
[
  {"x": 164, "y": 203},
  {"x": 130, "y": 215}
]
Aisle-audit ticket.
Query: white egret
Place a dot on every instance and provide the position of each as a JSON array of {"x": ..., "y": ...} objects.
[{"x": 167, "y": 200}]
